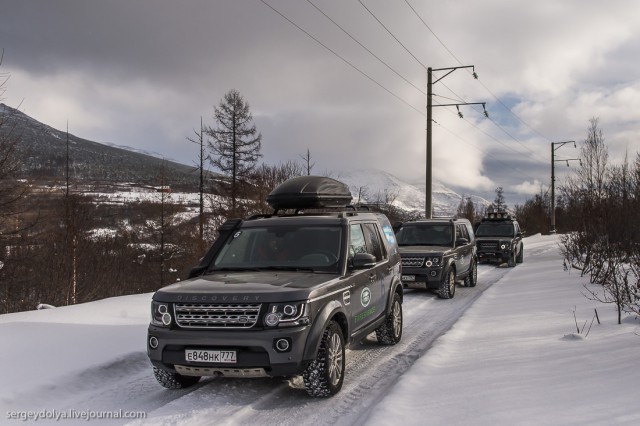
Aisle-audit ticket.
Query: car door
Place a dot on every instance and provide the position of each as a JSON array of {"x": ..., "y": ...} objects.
[
  {"x": 365, "y": 289},
  {"x": 464, "y": 252}
]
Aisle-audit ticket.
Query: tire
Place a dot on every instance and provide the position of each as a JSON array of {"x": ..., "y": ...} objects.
[
  {"x": 512, "y": 260},
  {"x": 174, "y": 380},
  {"x": 325, "y": 375},
  {"x": 520, "y": 257},
  {"x": 390, "y": 332},
  {"x": 472, "y": 278},
  {"x": 448, "y": 287}
]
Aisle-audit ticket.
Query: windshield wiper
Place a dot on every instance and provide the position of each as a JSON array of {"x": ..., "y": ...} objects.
[
  {"x": 286, "y": 268},
  {"x": 234, "y": 269}
]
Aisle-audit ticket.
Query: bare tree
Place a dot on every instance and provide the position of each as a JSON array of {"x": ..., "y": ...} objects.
[
  {"x": 467, "y": 209},
  {"x": 236, "y": 143},
  {"x": 604, "y": 240},
  {"x": 265, "y": 178},
  {"x": 201, "y": 159},
  {"x": 307, "y": 162},
  {"x": 499, "y": 203}
]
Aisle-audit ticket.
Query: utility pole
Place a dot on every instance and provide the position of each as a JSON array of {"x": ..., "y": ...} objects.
[
  {"x": 428, "y": 209},
  {"x": 553, "y": 179}
]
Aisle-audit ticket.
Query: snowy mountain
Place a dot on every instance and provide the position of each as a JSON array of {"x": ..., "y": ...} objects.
[
  {"x": 372, "y": 186},
  {"x": 43, "y": 152}
]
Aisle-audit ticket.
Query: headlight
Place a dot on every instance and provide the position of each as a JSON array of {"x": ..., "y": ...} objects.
[
  {"x": 503, "y": 246},
  {"x": 286, "y": 314},
  {"x": 432, "y": 261},
  {"x": 160, "y": 314}
]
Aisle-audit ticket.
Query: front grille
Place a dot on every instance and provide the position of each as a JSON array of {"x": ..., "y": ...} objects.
[
  {"x": 412, "y": 262},
  {"x": 219, "y": 315},
  {"x": 488, "y": 245}
]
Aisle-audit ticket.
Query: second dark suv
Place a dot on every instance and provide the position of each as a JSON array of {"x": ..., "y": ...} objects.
[{"x": 436, "y": 253}]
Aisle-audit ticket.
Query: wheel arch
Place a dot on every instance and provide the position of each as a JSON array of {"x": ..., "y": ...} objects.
[
  {"x": 331, "y": 311},
  {"x": 395, "y": 288}
]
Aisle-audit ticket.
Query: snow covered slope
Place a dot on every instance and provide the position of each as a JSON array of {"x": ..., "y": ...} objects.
[{"x": 372, "y": 185}]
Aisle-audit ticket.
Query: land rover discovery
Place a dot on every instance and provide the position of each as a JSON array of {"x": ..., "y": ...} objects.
[{"x": 282, "y": 294}]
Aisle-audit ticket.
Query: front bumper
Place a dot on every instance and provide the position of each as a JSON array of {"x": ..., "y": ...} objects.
[
  {"x": 501, "y": 257},
  {"x": 422, "y": 277},
  {"x": 255, "y": 350}
]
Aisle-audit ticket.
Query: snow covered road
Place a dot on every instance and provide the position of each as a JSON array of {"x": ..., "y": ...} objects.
[{"x": 91, "y": 357}]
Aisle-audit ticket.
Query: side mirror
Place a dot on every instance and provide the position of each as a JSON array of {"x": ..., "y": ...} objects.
[
  {"x": 364, "y": 261},
  {"x": 461, "y": 242}
]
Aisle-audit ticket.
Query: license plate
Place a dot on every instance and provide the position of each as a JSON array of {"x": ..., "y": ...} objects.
[
  {"x": 197, "y": 355},
  {"x": 408, "y": 278}
]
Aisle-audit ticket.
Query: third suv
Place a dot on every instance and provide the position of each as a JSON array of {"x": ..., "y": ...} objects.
[{"x": 500, "y": 239}]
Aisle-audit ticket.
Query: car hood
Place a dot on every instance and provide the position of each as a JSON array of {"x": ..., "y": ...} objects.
[
  {"x": 423, "y": 250},
  {"x": 249, "y": 287}
]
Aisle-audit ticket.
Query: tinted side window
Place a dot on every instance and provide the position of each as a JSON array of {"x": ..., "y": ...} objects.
[
  {"x": 357, "y": 242},
  {"x": 470, "y": 231},
  {"x": 461, "y": 230},
  {"x": 374, "y": 245}
]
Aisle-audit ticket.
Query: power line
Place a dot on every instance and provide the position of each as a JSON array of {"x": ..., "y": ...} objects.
[
  {"x": 378, "y": 83},
  {"x": 343, "y": 59},
  {"x": 392, "y": 35},
  {"x": 481, "y": 83},
  {"x": 365, "y": 48}
]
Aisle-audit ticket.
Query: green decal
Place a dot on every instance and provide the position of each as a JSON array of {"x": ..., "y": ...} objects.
[{"x": 364, "y": 314}]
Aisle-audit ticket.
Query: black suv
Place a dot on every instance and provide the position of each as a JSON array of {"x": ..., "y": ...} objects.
[
  {"x": 436, "y": 253},
  {"x": 500, "y": 239},
  {"x": 282, "y": 294}
]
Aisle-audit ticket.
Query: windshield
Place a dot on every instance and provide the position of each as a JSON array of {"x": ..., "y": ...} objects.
[
  {"x": 426, "y": 234},
  {"x": 488, "y": 229},
  {"x": 314, "y": 248}
]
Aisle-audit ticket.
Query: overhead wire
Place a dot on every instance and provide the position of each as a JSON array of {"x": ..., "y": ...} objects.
[
  {"x": 479, "y": 81},
  {"x": 343, "y": 59},
  {"x": 460, "y": 98},
  {"x": 366, "y": 48},
  {"x": 393, "y": 70}
]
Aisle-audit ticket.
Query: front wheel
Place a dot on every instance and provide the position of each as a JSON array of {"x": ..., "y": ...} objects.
[
  {"x": 390, "y": 332},
  {"x": 472, "y": 278},
  {"x": 448, "y": 287},
  {"x": 174, "y": 380},
  {"x": 520, "y": 257},
  {"x": 325, "y": 375}
]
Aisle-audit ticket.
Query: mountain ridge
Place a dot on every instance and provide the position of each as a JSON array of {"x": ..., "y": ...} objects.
[{"x": 42, "y": 153}]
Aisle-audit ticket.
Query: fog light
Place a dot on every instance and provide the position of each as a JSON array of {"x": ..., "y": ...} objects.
[
  {"x": 153, "y": 342},
  {"x": 434, "y": 273},
  {"x": 282, "y": 345}
]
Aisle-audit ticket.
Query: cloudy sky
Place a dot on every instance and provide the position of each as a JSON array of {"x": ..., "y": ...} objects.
[{"x": 345, "y": 79}]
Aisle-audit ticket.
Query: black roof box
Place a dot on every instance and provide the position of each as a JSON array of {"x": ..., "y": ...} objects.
[{"x": 304, "y": 192}]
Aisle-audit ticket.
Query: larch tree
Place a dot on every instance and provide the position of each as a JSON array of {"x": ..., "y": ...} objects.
[{"x": 235, "y": 143}]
